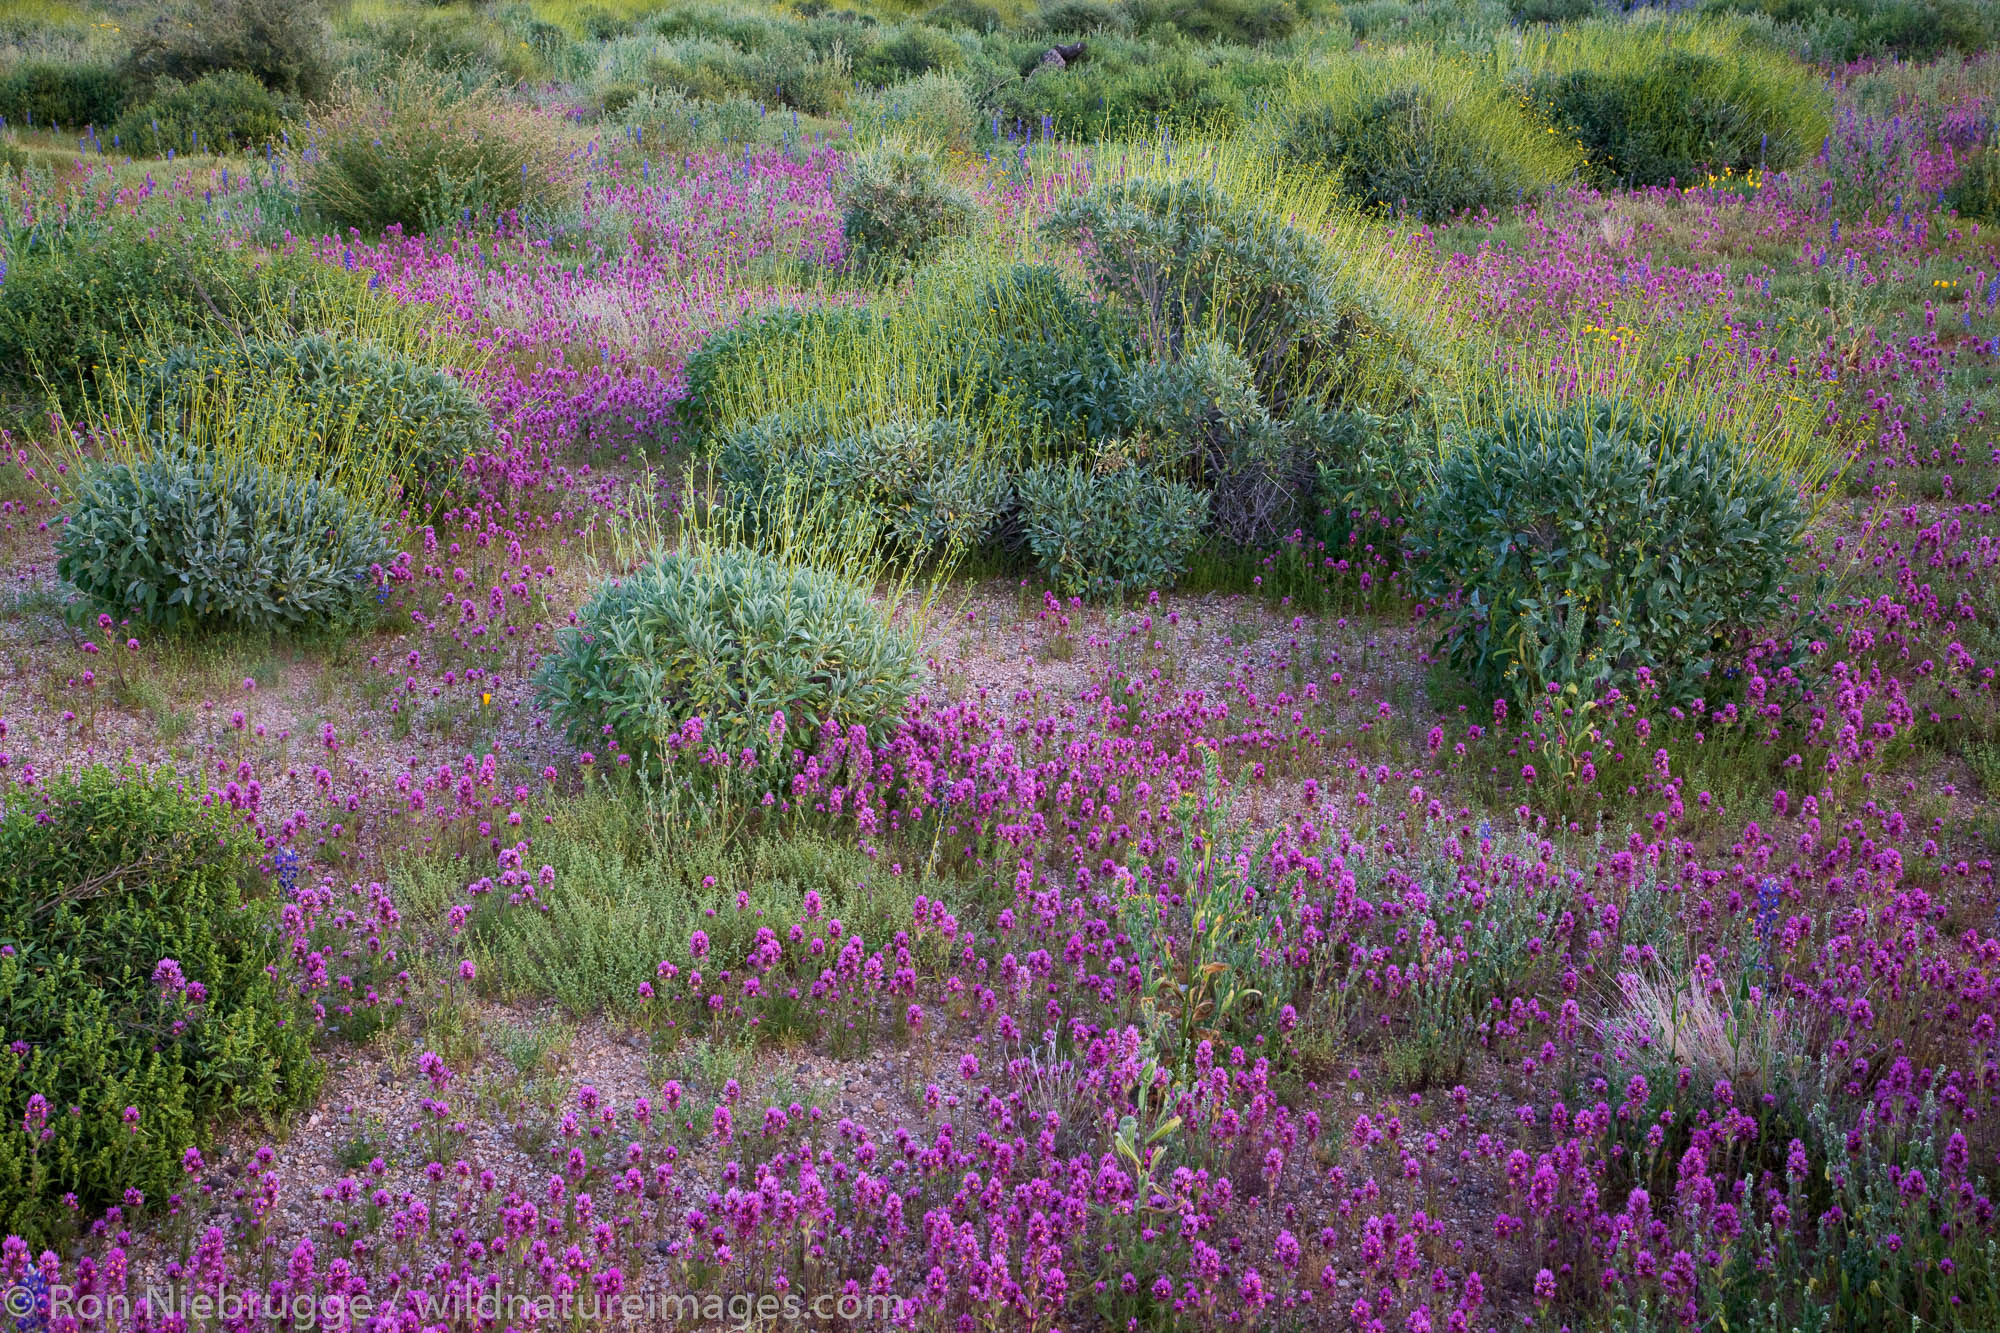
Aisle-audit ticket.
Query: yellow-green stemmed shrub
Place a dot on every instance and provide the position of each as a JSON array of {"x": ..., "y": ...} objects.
[
  {"x": 1419, "y": 136},
  {"x": 424, "y": 154},
  {"x": 1671, "y": 100}
]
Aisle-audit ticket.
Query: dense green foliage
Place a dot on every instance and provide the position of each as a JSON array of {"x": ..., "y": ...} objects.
[
  {"x": 925, "y": 482},
  {"x": 68, "y": 314},
  {"x": 1664, "y": 104},
  {"x": 421, "y": 420},
  {"x": 1127, "y": 530},
  {"x": 46, "y": 93},
  {"x": 1976, "y": 193},
  {"x": 283, "y": 44},
  {"x": 899, "y": 207},
  {"x": 225, "y": 112},
  {"x": 1583, "y": 545},
  {"x": 192, "y": 537},
  {"x": 421, "y": 154},
  {"x": 1191, "y": 264},
  {"x": 1420, "y": 138},
  {"x": 730, "y": 638},
  {"x": 104, "y": 876}
]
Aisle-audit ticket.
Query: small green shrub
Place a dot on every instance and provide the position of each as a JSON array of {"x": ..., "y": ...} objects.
[
  {"x": 193, "y": 536},
  {"x": 1577, "y": 547},
  {"x": 423, "y": 421},
  {"x": 925, "y": 481},
  {"x": 1427, "y": 139},
  {"x": 1124, "y": 531},
  {"x": 899, "y": 208},
  {"x": 1976, "y": 192},
  {"x": 281, "y": 43},
  {"x": 745, "y": 353},
  {"x": 1664, "y": 102},
  {"x": 914, "y": 50},
  {"x": 933, "y": 110},
  {"x": 69, "y": 313},
  {"x": 1242, "y": 22},
  {"x": 1192, "y": 265},
  {"x": 103, "y": 876},
  {"x": 225, "y": 112},
  {"x": 728, "y": 637},
  {"x": 1129, "y": 89},
  {"x": 424, "y": 155},
  {"x": 44, "y": 93},
  {"x": 1838, "y": 31},
  {"x": 1050, "y": 359},
  {"x": 1200, "y": 418}
]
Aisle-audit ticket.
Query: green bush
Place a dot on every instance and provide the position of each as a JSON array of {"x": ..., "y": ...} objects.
[
  {"x": 745, "y": 353},
  {"x": 1577, "y": 547},
  {"x": 1976, "y": 192},
  {"x": 899, "y": 208},
  {"x": 1666, "y": 102},
  {"x": 69, "y": 313},
  {"x": 925, "y": 482},
  {"x": 1128, "y": 89},
  {"x": 1102, "y": 534},
  {"x": 423, "y": 421},
  {"x": 1200, "y": 418},
  {"x": 42, "y": 93},
  {"x": 934, "y": 110},
  {"x": 424, "y": 155},
  {"x": 1243, "y": 22},
  {"x": 1052, "y": 361},
  {"x": 914, "y": 50},
  {"x": 731, "y": 637},
  {"x": 195, "y": 537},
  {"x": 1837, "y": 31},
  {"x": 103, "y": 876},
  {"x": 225, "y": 112},
  {"x": 1193, "y": 265},
  {"x": 1420, "y": 138},
  {"x": 283, "y": 44}
]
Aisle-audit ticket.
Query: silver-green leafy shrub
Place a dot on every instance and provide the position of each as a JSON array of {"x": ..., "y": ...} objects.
[
  {"x": 1192, "y": 265},
  {"x": 424, "y": 421},
  {"x": 1099, "y": 534},
  {"x": 1200, "y": 416},
  {"x": 925, "y": 482},
  {"x": 899, "y": 207},
  {"x": 185, "y": 539},
  {"x": 1578, "y": 546},
  {"x": 697, "y": 654}
]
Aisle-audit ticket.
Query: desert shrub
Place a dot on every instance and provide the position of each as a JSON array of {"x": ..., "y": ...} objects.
[
  {"x": 198, "y": 536},
  {"x": 1102, "y": 534},
  {"x": 925, "y": 482},
  {"x": 1837, "y": 31},
  {"x": 933, "y": 110},
  {"x": 1077, "y": 18},
  {"x": 1125, "y": 88},
  {"x": 461, "y": 44},
  {"x": 1244, "y": 22},
  {"x": 1426, "y": 138},
  {"x": 225, "y": 112},
  {"x": 668, "y": 120},
  {"x": 899, "y": 207},
  {"x": 1372, "y": 472},
  {"x": 282, "y": 44},
  {"x": 913, "y": 50},
  {"x": 42, "y": 93},
  {"x": 68, "y": 313},
  {"x": 422, "y": 154},
  {"x": 973, "y": 15},
  {"x": 1199, "y": 418},
  {"x": 746, "y": 353},
  {"x": 793, "y": 74},
  {"x": 1976, "y": 192},
  {"x": 419, "y": 419},
  {"x": 1051, "y": 361},
  {"x": 1551, "y": 11},
  {"x": 1578, "y": 546},
  {"x": 730, "y": 637},
  {"x": 138, "y": 978},
  {"x": 1664, "y": 102},
  {"x": 1193, "y": 265}
]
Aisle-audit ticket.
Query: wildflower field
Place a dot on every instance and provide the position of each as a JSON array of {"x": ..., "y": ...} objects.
[{"x": 1131, "y": 664}]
